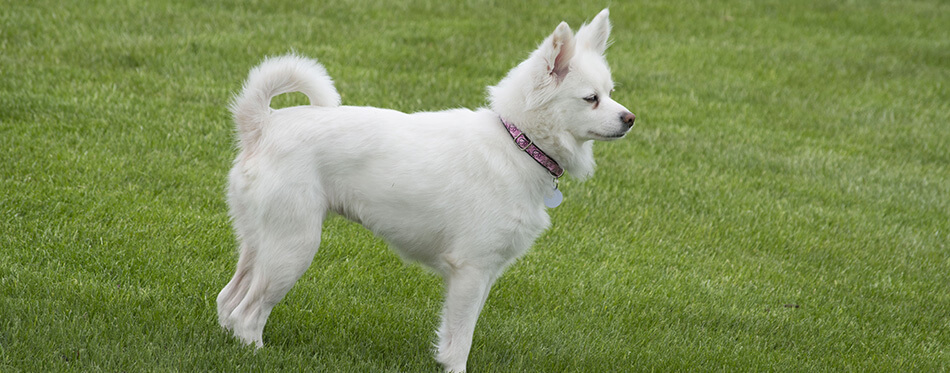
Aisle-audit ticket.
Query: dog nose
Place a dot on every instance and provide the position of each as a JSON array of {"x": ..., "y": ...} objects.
[{"x": 628, "y": 118}]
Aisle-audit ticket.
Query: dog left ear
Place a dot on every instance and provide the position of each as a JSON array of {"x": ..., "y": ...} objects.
[
  {"x": 557, "y": 51},
  {"x": 594, "y": 36}
]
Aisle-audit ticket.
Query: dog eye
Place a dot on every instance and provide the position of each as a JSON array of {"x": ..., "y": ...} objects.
[{"x": 592, "y": 99}]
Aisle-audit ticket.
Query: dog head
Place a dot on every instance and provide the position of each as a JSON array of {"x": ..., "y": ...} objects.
[{"x": 563, "y": 89}]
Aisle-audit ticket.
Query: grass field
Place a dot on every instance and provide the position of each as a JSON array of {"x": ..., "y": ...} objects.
[{"x": 782, "y": 205}]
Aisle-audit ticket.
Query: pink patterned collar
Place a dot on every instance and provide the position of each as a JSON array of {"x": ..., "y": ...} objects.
[{"x": 525, "y": 144}]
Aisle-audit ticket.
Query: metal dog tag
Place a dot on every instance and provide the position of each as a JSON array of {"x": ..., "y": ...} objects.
[{"x": 553, "y": 199}]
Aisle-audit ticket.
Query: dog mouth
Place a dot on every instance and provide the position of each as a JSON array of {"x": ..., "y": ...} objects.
[{"x": 608, "y": 137}]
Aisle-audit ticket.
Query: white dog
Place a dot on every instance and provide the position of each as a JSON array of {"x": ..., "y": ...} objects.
[{"x": 460, "y": 191}]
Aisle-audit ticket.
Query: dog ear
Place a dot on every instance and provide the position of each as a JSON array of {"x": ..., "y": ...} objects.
[
  {"x": 593, "y": 36},
  {"x": 557, "y": 51}
]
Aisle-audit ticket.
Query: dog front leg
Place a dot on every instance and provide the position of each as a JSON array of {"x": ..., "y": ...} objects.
[{"x": 466, "y": 291}]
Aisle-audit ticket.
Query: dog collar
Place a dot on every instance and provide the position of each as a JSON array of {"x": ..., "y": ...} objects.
[{"x": 525, "y": 144}]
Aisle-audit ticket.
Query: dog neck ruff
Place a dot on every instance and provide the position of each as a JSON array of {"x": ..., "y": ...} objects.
[{"x": 525, "y": 144}]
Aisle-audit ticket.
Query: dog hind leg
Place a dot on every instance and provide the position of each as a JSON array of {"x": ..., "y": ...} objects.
[
  {"x": 286, "y": 239},
  {"x": 245, "y": 227}
]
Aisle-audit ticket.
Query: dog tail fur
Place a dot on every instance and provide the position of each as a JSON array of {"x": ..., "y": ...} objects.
[{"x": 275, "y": 76}]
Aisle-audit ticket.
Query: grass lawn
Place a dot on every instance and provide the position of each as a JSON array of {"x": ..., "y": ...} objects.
[{"x": 782, "y": 204}]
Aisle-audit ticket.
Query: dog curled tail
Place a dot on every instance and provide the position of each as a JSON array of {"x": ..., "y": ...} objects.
[{"x": 275, "y": 76}]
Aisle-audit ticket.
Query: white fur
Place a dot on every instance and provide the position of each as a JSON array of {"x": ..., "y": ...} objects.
[{"x": 447, "y": 189}]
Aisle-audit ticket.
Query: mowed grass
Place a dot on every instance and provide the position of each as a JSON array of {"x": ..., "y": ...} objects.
[{"x": 782, "y": 204}]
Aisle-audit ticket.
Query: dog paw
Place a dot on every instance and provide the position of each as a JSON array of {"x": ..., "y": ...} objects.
[{"x": 451, "y": 367}]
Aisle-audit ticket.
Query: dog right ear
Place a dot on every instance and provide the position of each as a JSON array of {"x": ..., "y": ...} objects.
[
  {"x": 594, "y": 36},
  {"x": 557, "y": 51}
]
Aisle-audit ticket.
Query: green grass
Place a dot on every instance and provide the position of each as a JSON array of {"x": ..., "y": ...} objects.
[{"x": 786, "y": 153}]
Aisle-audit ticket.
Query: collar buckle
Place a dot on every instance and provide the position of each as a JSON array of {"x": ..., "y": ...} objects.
[{"x": 521, "y": 138}]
